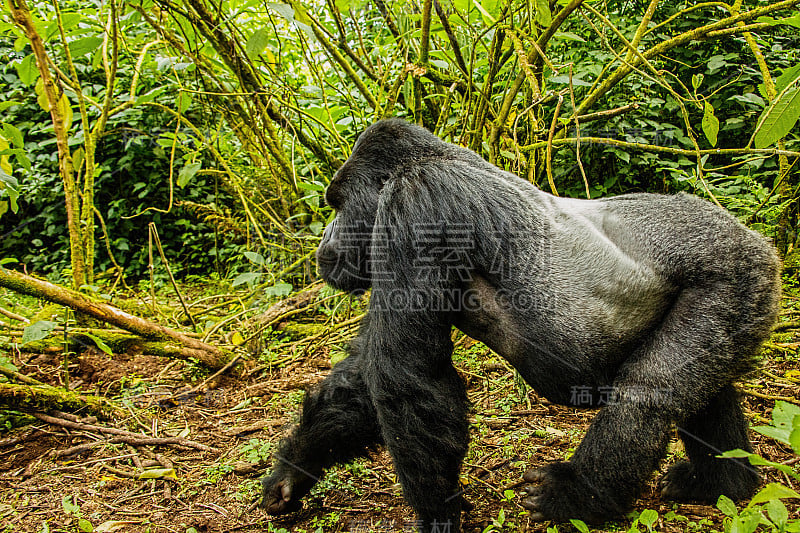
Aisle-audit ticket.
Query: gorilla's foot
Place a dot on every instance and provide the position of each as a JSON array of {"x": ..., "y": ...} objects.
[
  {"x": 281, "y": 493},
  {"x": 735, "y": 479},
  {"x": 559, "y": 493}
]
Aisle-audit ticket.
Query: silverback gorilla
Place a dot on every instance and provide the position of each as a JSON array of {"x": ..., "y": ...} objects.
[{"x": 648, "y": 306}]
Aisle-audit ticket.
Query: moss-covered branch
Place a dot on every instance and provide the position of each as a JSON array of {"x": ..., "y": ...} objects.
[
  {"x": 210, "y": 356},
  {"x": 30, "y": 398}
]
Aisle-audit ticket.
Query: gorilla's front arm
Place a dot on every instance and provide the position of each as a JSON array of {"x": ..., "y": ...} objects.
[{"x": 649, "y": 306}]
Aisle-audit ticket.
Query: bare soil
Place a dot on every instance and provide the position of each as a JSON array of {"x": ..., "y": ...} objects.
[{"x": 244, "y": 413}]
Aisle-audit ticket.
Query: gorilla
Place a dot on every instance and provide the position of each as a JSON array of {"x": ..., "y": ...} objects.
[{"x": 648, "y": 306}]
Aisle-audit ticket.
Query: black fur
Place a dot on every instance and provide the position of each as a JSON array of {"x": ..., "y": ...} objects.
[{"x": 647, "y": 305}]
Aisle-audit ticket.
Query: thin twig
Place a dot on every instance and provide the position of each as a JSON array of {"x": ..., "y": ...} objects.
[{"x": 127, "y": 437}]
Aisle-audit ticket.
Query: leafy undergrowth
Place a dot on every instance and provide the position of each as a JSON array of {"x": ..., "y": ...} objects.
[{"x": 243, "y": 414}]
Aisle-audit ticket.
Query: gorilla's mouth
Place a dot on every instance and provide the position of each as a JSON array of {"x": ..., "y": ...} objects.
[{"x": 327, "y": 257}]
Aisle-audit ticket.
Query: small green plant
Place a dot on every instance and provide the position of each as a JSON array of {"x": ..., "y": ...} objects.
[
  {"x": 71, "y": 508},
  {"x": 497, "y": 523},
  {"x": 646, "y": 518},
  {"x": 579, "y": 525},
  {"x": 687, "y": 525},
  {"x": 216, "y": 472},
  {"x": 327, "y": 522},
  {"x": 256, "y": 451},
  {"x": 767, "y": 508}
]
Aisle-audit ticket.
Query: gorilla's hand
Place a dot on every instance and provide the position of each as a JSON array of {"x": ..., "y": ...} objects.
[{"x": 282, "y": 491}]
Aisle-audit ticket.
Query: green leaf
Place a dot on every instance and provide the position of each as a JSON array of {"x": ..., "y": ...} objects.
[
  {"x": 67, "y": 503},
  {"x": 150, "y": 95},
  {"x": 38, "y": 331},
  {"x": 751, "y": 522},
  {"x": 184, "y": 101},
  {"x": 65, "y": 110},
  {"x": 784, "y": 421},
  {"x": 710, "y": 124},
  {"x": 569, "y": 36},
  {"x": 462, "y": 6},
  {"x": 487, "y": 17},
  {"x": 246, "y": 277},
  {"x": 257, "y": 43},
  {"x": 543, "y": 15},
  {"x": 85, "y": 525},
  {"x": 492, "y": 7},
  {"x": 794, "y": 436},
  {"x": 100, "y": 344},
  {"x": 158, "y": 473},
  {"x": 697, "y": 80},
  {"x": 777, "y": 512},
  {"x": 10, "y": 185},
  {"x": 564, "y": 79},
  {"x": 27, "y": 71},
  {"x": 8, "y": 103},
  {"x": 579, "y": 525},
  {"x": 716, "y": 62},
  {"x": 778, "y": 119},
  {"x": 784, "y": 414},
  {"x": 284, "y": 10},
  {"x": 778, "y": 434},
  {"x": 295, "y": 16},
  {"x": 84, "y": 45},
  {"x": 78, "y": 157},
  {"x": 13, "y": 135},
  {"x": 786, "y": 78},
  {"x": 790, "y": 21},
  {"x": 310, "y": 186},
  {"x": 727, "y": 506},
  {"x": 254, "y": 258},
  {"x": 648, "y": 517},
  {"x": 68, "y": 21},
  {"x": 773, "y": 491},
  {"x": 279, "y": 289},
  {"x": 187, "y": 173}
]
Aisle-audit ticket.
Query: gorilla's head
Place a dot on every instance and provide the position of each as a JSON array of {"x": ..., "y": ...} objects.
[{"x": 379, "y": 153}]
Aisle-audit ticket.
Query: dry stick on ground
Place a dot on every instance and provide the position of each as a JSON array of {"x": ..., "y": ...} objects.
[
  {"x": 124, "y": 436},
  {"x": 13, "y": 375},
  {"x": 14, "y": 316},
  {"x": 207, "y": 354}
]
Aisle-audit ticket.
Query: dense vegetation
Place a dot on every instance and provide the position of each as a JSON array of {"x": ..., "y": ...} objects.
[
  {"x": 209, "y": 130},
  {"x": 222, "y": 123}
]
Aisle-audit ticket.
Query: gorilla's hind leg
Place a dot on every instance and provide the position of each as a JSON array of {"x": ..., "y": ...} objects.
[
  {"x": 338, "y": 424},
  {"x": 720, "y": 426}
]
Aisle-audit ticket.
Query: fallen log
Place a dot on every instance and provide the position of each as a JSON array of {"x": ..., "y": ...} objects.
[
  {"x": 209, "y": 355},
  {"x": 35, "y": 398},
  {"x": 118, "y": 343}
]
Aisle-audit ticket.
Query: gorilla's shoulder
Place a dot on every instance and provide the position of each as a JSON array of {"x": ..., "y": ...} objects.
[{"x": 680, "y": 200}]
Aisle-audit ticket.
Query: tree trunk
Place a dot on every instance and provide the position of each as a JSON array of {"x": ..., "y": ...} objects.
[{"x": 57, "y": 104}]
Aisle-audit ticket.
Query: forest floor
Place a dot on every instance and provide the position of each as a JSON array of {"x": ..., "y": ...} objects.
[{"x": 242, "y": 415}]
